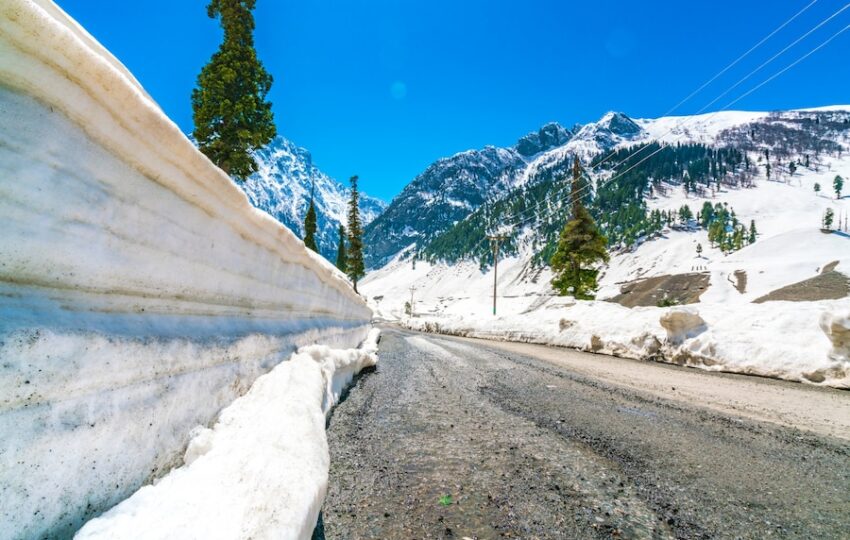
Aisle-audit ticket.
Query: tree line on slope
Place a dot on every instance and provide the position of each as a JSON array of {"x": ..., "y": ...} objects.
[{"x": 233, "y": 119}]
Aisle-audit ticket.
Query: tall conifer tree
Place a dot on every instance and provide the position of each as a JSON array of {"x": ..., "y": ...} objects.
[
  {"x": 354, "y": 262},
  {"x": 231, "y": 115},
  {"x": 310, "y": 225},
  {"x": 341, "y": 255},
  {"x": 580, "y": 246}
]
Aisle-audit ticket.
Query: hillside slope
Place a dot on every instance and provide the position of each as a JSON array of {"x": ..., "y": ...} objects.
[
  {"x": 719, "y": 160},
  {"x": 448, "y": 190},
  {"x": 283, "y": 185}
]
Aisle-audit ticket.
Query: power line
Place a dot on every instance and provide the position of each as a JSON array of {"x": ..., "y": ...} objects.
[
  {"x": 735, "y": 62},
  {"x": 692, "y": 118},
  {"x": 724, "y": 70},
  {"x": 663, "y": 146},
  {"x": 725, "y": 92}
]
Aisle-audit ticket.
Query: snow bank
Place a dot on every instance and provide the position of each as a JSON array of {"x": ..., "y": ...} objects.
[
  {"x": 261, "y": 471},
  {"x": 783, "y": 340},
  {"x": 140, "y": 292}
]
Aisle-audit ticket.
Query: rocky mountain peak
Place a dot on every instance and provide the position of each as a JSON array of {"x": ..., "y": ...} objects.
[{"x": 549, "y": 136}]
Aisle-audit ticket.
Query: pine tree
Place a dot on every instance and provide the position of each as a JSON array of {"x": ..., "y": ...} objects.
[
  {"x": 310, "y": 226},
  {"x": 231, "y": 115},
  {"x": 817, "y": 188},
  {"x": 838, "y": 185},
  {"x": 738, "y": 238},
  {"x": 827, "y": 218},
  {"x": 753, "y": 232},
  {"x": 354, "y": 261},
  {"x": 580, "y": 245},
  {"x": 341, "y": 256},
  {"x": 706, "y": 214}
]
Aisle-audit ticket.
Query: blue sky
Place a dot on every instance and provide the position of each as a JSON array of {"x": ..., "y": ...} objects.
[{"x": 382, "y": 88}]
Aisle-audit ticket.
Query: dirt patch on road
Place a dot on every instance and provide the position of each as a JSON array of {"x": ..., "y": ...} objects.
[
  {"x": 830, "y": 285},
  {"x": 676, "y": 289}
]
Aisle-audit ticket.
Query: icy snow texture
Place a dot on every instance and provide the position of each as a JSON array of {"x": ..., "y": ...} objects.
[
  {"x": 282, "y": 187},
  {"x": 139, "y": 290},
  {"x": 776, "y": 339},
  {"x": 261, "y": 471}
]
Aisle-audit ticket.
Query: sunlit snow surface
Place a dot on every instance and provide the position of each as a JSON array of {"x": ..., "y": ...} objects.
[
  {"x": 140, "y": 292},
  {"x": 779, "y": 339},
  {"x": 261, "y": 471}
]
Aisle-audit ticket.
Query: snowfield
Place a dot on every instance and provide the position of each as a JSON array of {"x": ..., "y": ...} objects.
[
  {"x": 140, "y": 292},
  {"x": 798, "y": 341},
  {"x": 261, "y": 471}
]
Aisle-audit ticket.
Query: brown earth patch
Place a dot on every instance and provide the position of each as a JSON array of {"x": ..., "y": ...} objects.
[
  {"x": 676, "y": 289},
  {"x": 831, "y": 285}
]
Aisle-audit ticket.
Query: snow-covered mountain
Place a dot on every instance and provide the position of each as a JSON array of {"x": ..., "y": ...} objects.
[
  {"x": 775, "y": 305},
  {"x": 450, "y": 189},
  {"x": 803, "y": 148},
  {"x": 282, "y": 187}
]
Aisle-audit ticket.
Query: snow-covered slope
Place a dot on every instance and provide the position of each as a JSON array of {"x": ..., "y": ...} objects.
[
  {"x": 282, "y": 187},
  {"x": 446, "y": 192},
  {"x": 140, "y": 292},
  {"x": 451, "y": 188},
  {"x": 790, "y": 248}
]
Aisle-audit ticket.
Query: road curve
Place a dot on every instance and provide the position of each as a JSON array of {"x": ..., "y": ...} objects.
[{"x": 452, "y": 438}]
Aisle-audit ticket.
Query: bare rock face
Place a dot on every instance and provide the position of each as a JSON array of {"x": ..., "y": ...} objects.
[
  {"x": 682, "y": 323},
  {"x": 837, "y": 329}
]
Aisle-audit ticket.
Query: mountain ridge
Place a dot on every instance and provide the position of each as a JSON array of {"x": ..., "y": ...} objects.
[{"x": 283, "y": 185}]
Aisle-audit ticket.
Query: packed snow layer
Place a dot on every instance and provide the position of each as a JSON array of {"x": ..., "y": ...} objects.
[
  {"x": 261, "y": 471},
  {"x": 783, "y": 340},
  {"x": 140, "y": 292}
]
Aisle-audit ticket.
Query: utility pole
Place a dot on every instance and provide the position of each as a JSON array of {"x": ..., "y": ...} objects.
[{"x": 495, "y": 241}]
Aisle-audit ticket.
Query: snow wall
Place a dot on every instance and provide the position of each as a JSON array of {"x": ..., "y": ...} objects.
[{"x": 140, "y": 293}]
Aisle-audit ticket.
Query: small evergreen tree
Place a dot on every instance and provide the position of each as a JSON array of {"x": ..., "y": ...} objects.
[
  {"x": 231, "y": 115},
  {"x": 753, "y": 231},
  {"x": 354, "y": 261},
  {"x": 738, "y": 238},
  {"x": 310, "y": 226},
  {"x": 341, "y": 256},
  {"x": 838, "y": 185},
  {"x": 580, "y": 245},
  {"x": 827, "y": 218},
  {"x": 817, "y": 188}
]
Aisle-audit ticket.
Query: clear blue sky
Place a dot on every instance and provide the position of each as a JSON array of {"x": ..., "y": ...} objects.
[{"x": 382, "y": 88}]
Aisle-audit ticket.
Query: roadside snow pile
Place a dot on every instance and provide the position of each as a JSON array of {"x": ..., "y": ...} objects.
[
  {"x": 140, "y": 292},
  {"x": 681, "y": 324},
  {"x": 780, "y": 339},
  {"x": 261, "y": 471},
  {"x": 837, "y": 328}
]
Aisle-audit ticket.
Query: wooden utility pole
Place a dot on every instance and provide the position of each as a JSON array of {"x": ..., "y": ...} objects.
[{"x": 495, "y": 242}]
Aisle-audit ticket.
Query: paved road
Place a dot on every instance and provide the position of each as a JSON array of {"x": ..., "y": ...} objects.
[{"x": 530, "y": 448}]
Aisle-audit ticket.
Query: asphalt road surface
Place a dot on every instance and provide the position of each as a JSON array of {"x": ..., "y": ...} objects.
[{"x": 452, "y": 438}]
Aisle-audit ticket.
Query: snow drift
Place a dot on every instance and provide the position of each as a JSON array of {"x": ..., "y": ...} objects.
[
  {"x": 261, "y": 471},
  {"x": 784, "y": 342},
  {"x": 140, "y": 292}
]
